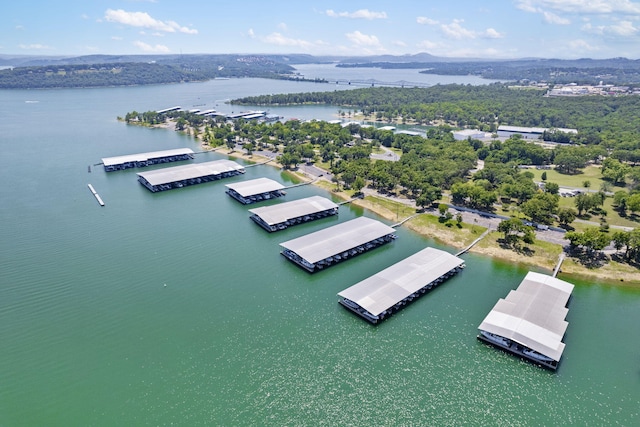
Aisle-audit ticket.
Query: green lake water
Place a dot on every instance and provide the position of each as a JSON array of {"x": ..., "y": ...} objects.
[{"x": 176, "y": 309}]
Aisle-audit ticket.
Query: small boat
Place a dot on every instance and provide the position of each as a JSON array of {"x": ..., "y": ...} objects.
[
  {"x": 497, "y": 339},
  {"x": 535, "y": 355}
]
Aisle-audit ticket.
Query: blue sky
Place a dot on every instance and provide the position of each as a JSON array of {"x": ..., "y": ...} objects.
[{"x": 454, "y": 28}]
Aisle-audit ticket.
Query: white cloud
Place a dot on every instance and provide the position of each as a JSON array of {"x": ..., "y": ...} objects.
[
  {"x": 427, "y": 44},
  {"x": 251, "y": 34},
  {"x": 34, "y": 46},
  {"x": 581, "y": 45},
  {"x": 144, "y": 20},
  {"x": 281, "y": 40},
  {"x": 423, "y": 20},
  {"x": 148, "y": 48},
  {"x": 116, "y": 38},
  {"x": 622, "y": 28},
  {"x": 552, "y": 18},
  {"x": 491, "y": 33},
  {"x": 360, "y": 39},
  {"x": 457, "y": 31},
  {"x": 358, "y": 14},
  {"x": 581, "y": 6}
]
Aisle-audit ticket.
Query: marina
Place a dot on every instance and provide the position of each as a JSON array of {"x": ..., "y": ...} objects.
[
  {"x": 388, "y": 291},
  {"x": 146, "y": 159},
  {"x": 530, "y": 321},
  {"x": 182, "y": 176},
  {"x": 284, "y": 215},
  {"x": 324, "y": 248},
  {"x": 255, "y": 190}
]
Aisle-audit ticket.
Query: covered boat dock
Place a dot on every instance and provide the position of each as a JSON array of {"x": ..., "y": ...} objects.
[
  {"x": 332, "y": 245},
  {"x": 530, "y": 321},
  {"x": 182, "y": 176},
  {"x": 255, "y": 190},
  {"x": 146, "y": 159},
  {"x": 283, "y": 215},
  {"x": 379, "y": 296}
]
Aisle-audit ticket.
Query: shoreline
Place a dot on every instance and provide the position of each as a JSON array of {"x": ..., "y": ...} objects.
[{"x": 545, "y": 261}]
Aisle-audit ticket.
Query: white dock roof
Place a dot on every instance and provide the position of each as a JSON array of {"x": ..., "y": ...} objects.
[
  {"x": 255, "y": 186},
  {"x": 393, "y": 284},
  {"x": 194, "y": 170},
  {"x": 282, "y": 212},
  {"x": 533, "y": 315},
  {"x": 143, "y": 157},
  {"x": 334, "y": 240}
]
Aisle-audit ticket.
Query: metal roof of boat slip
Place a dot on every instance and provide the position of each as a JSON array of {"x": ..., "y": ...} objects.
[
  {"x": 393, "y": 284},
  {"x": 143, "y": 157},
  {"x": 194, "y": 170},
  {"x": 282, "y": 212},
  {"x": 255, "y": 186},
  {"x": 533, "y": 315},
  {"x": 333, "y": 240}
]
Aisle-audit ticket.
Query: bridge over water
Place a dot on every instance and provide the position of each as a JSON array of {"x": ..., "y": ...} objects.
[{"x": 374, "y": 82}]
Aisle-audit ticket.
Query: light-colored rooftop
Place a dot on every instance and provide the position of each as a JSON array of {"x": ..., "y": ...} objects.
[
  {"x": 386, "y": 288},
  {"x": 282, "y": 212},
  {"x": 194, "y": 170},
  {"x": 143, "y": 157},
  {"x": 533, "y": 315},
  {"x": 254, "y": 187},
  {"x": 522, "y": 129},
  {"x": 333, "y": 240}
]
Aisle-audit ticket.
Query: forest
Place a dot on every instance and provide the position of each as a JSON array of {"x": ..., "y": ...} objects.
[
  {"x": 174, "y": 69},
  {"x": 619, "y": 71}
]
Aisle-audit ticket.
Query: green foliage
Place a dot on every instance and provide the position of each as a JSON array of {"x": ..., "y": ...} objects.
[{"x": 515, "y": 231}]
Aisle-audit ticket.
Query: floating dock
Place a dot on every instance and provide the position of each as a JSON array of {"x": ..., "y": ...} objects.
[
  {"x": 335, "y": 244},
  {"x": 182, "y": 176},
  {"x": 379, "y": 296},
  {"x": 530, "y": 321},
  {"x": 146, "y": 159},
  {"x": 95, "y": 194},
  {"x": 255, "y": 190},
  {"x": 283, "y": 215}
]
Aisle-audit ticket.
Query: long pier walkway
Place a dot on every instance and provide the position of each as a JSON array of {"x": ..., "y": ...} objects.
[
  {"x": 95, "y": 194},
  {"x": 468, "y": 248},
  {"x": 351, "y": 200},
  {"x": 559, "y": 264},
  {"x": 405, "y": 220}
]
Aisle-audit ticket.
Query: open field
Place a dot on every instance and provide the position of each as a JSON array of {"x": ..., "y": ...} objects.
[{"x": 590, "y": 173}]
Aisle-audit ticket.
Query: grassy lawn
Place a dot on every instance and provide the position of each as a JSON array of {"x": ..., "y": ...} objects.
[
  {"x": 613, "y": 218},
  {"x": 590, "y": 173}
]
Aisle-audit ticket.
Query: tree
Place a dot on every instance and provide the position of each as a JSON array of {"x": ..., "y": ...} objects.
[
  {"x": 583, "y": 203},
  {"x": 515, "y": 231},
  {"x": 543, "y": 176},
  {"x": 566, "y": 215},
  {"x": 541, "y": 207},
  {"x": 552, "y": 188}
]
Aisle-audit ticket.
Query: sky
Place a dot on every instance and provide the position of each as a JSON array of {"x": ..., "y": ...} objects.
[{"x": 486, "y": 29}]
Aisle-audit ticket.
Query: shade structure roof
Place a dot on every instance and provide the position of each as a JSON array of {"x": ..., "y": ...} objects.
[
  {"x": 533, "y": 315},
  {"x": 386, "y": 288},
  {"x": 333, "y": 240},
  {"x": 282, "y": 212},
  {"x": 143, "y": 157},
  {"x": 194, "y": 170},
  {"x": 254, "y": 187}
]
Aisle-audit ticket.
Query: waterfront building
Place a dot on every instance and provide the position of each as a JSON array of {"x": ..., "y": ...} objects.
[
  {"x": 530, "y": 321},
  {"x": 146, "y": 159},
  {"x": 283, "y": 215},
  {"x": 255, "y": 190},
  {"x": 379, "y": 296},
  {"x": 332, "y": 245},
  {"x": 182, "y": 176}
]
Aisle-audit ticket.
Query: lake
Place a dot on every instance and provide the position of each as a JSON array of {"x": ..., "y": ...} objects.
[{"x": 175, "y": 308}]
